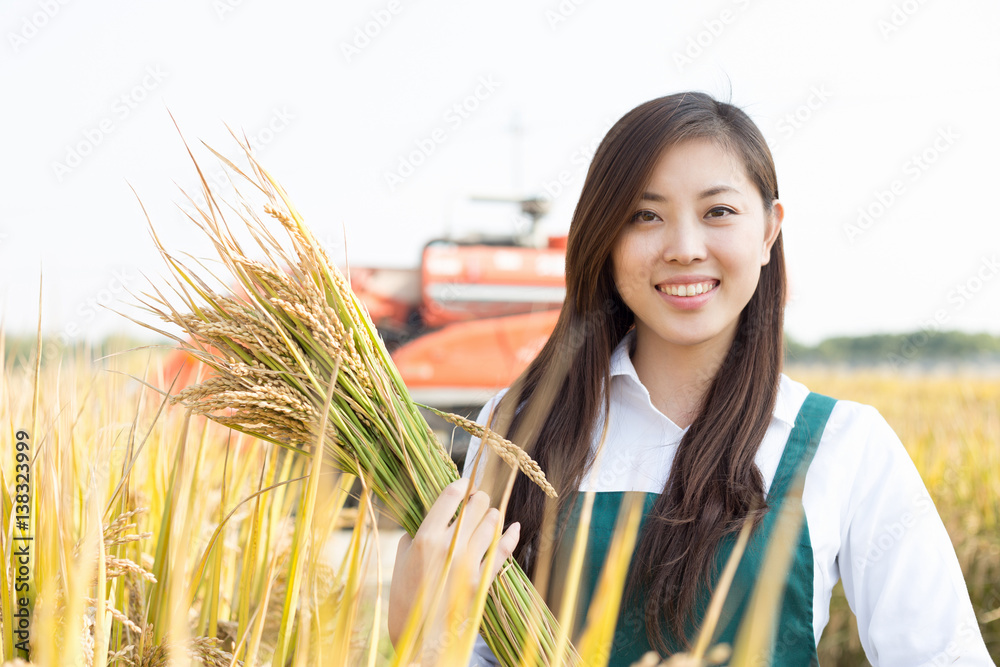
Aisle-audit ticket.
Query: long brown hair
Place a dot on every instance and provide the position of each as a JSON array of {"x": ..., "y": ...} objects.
[{"x": 555, "y": 406}]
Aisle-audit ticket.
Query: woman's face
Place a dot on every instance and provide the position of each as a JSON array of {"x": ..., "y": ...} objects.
[{"x": 689, "y": 259}]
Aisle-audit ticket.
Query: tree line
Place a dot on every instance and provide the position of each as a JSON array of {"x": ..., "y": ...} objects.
[{"x": 891, "y": 349}]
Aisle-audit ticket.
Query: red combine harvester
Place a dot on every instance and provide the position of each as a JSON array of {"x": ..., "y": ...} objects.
[
  {"x": 467, "y": 321},
  {"x": 471, "y": 318}
]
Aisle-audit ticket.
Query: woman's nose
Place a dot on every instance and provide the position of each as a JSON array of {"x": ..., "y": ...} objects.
[{"x": 684, "y": 241}]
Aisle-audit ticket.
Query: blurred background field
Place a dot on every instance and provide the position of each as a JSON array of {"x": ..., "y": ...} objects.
[
  {"x": 97, "y": 425},
  {"x": 950, "y": 425}
]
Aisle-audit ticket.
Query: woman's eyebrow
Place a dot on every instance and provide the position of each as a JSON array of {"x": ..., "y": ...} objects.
[{"x": 705, "y": 194}]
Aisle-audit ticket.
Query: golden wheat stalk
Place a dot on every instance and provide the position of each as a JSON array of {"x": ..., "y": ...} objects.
[{"x": 274, "y": 354}]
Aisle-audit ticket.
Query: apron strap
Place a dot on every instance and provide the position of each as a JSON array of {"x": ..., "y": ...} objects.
[
  {"x": 802, "y": 442},
  {"x": 795, "y": 621}
]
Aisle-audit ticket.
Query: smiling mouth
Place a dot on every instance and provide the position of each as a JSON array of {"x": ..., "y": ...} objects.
[{"x": 693, "y": 289}]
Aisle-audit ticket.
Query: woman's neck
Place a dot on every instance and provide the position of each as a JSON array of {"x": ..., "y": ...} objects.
[{"x": 678, "y": 376}]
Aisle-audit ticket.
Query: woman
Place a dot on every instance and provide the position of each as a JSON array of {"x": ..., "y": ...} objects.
[{"x": 667, "y": 359}]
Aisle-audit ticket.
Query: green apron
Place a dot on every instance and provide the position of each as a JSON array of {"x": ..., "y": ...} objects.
[{"x": 794, "y": 640}]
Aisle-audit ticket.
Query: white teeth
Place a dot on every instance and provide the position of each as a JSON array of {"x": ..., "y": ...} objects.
[{"x": 687, "y": 290}]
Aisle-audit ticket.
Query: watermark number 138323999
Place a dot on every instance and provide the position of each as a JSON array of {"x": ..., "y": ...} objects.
[{"x": 21, "y": 554}]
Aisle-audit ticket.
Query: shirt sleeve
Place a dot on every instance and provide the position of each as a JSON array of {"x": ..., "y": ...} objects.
[
  {"x": 474, "y": 442},
  {"x": 900, "y": 572},
  {"x": 482, "y": 656}
]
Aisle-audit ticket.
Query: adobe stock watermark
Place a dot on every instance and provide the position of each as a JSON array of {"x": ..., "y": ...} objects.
[
  {"x": 892, "y": 533},
  {"x": 520, "y": 223},
  {"x": 225, "y": 7},
  {"x": 556, "y": 16},
  {"x": 33, "y": 23},
  {"x": 794, "y": 120},
  {"x": 899, "y": 16},
  {"x": 777, "y": 653},
  {"x": 912, "y": 169},
  {"x": 700, "y": 42},
  {"x": 333, "y": 243},
  {"x": 577, "y": 164},
  {"x": 961, "y": 294},
  {"x": 454, "y": 116},
  {"x": 87, "y": 310},
  {"x": 622, "y": 464},
  {"x": 364, "y": 34},
  {"x": 121, "y": 109},
  {"x": 966, "y": 636},
  {"x": 966, "y": 291},
  {"x": 218, "y": 177}
]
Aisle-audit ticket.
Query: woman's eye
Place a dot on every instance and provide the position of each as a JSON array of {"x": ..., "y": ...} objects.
[
  {"x": 644, "y": 216},
  {"x": 719, "y": 211}
]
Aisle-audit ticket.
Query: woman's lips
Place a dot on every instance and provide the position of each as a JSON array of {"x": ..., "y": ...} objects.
[
  {"x": 687, "y": 288},
  {"x": 676, "y": 294}
]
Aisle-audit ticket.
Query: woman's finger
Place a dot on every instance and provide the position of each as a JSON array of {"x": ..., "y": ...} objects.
[
  {"x": 505, "y": 547},
  {"x": 480, "y": 540},
  {"x": 443, "y": 509},
  {"x": 472, "y": 515}
]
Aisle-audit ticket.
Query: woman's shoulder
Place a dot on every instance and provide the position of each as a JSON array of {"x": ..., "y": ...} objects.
[
  {"x": 858, "y": 457},
  {"x": 858, "y": 448},
  {"x": 848, "y": 419},
  {"x": 839, "y": 453}
]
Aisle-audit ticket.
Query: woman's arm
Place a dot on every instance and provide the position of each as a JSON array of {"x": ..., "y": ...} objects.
[{"x": 900, "y": 572}]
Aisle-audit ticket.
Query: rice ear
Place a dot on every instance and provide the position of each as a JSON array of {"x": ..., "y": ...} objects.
[{"x": 511, "y": 454}]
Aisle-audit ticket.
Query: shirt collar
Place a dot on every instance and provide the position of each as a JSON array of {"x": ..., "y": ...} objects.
[
  {"x": 621, "y": 362},
  {"x": 786, "y": 406}
]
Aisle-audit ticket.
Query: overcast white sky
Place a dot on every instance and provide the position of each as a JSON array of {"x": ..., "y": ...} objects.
[{"x": 850, "y": 95}]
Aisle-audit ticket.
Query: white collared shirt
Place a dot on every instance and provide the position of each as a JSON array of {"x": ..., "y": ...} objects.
[{"x": 871, "y": 520}]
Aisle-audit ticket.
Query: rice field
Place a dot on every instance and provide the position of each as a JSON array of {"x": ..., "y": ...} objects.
[{"x": 188, "y": 527}]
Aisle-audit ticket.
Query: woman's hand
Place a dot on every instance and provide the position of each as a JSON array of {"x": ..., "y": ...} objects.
[{"x": 421, "y": 560}]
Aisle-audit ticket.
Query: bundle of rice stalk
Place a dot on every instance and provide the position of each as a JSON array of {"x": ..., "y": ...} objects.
[{"x": 274, "y": 355}]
